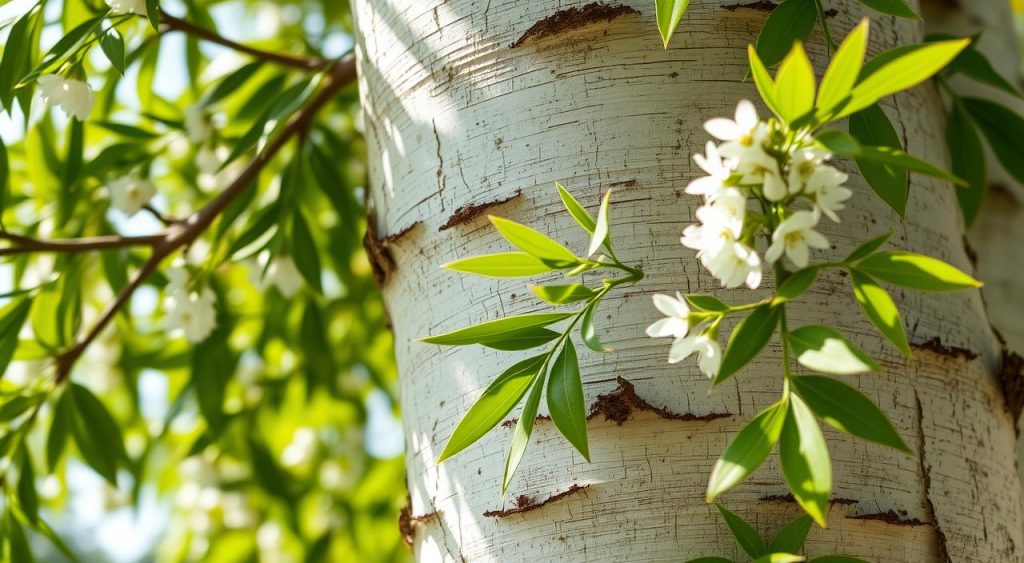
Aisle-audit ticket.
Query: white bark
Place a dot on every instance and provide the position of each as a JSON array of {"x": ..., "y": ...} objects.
[{"x": 455, "y": 118}]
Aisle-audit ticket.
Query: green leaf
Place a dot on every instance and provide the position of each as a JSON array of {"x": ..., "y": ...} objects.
[
  {"x": 706, "y": 303},
  {"x": 304, "y": 251},
  {"x": 565, "y": 399},
  {"x": 898, "y": 158},
  {"x": 563, "y": 294},
  {"x": 668, "y": 14},
  {"x": 96, "y": 433},
  {"x": 213, "y": 364},
  {"x": 790, "y": 539},
  {"x": 747, "y": 340},
  {"x": 112, "y": 45},
  {"x": 838, "y": 142},
  {"x": 490, "y": 330},
  {"x": 879, "y": 309},
  {"x": 747, "y": 451},
  {"x": 19, "y": 546},
  {"x": 69, "y": 40},
  {"x": 588, "y": 332},
  {"x": 797, "y": 283},
  {"x": 745, "y": 534},
  {"x": 27, "y": 497},
  {"x": 899, "y": 71},
  {"x": 577, "y": 211},
  {"x": 804, "y": 458},
  {"x": 1004, "y": 131},
  {"x": 842, "y": 72},
  {"x": 501, "y": 265},
  {"x": 794, "y": 84},
  {"x": 823, "y": 349},
  {"x": 523, "y": 339},
  {"x": 231, "y": 83},
  {"x": 892, "y": 184},
  {"x": 601, "y": 235},
  {"x": 868, "y": 247},
  {"x": 15, "y": 61},
  {"x": 916, "y": 271},
  {"x": 790, "y": 21},
  {"x": 12, "y": 317},
  {"x": 524, "y": 428},
  {"x": 500, "y": 397},
  {"x": 763, "y": 80},
  {"x": 780, "y": 558},
  {"x": 57, "y": 438},
  {"x": 975, "y": 65},
  {"x": 967, "y": 157},
  {"x": 17, "y": 406},
  {"x": 533, "y": 242},
  {"x": 897, "y": 8},
  {"x": 848, "y": 409},
  {"x": 5, "y": 177},
  {"x": 153, "y": 13}
]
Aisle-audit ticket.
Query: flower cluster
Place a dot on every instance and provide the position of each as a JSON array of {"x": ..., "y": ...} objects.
[
  {"x": 776, "y": 170},
  {"x": 191, "y": 313},
  {"x": 74, "y": 97},
  {"x": 676, "y": 324}
]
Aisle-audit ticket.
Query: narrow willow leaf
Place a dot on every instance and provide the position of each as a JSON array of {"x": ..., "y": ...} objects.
[
  {"x": 823, "y": 349},
  {"x": 805, "y": 462},
  {"x": 96, "y": 433},
  {"x": 17, "y": 540},
  {"x": 12, "y": 317},
  {"x": 747, "y": 340},
  {"x": 790, "y": 539},
  {"x": 747, "y": 451},
  {"x": 574, "y": 208},
  {"x": 5, "y": 177},
  {"x": 533, "y": 242},
  {"x": 797, "y": 283},
  {"x": 896, "y": 157},
  {"x": 763, "y": 80},
  {"x": 967, "y": 156},
  {"x": 490, "y": 330},
  {"x": 668, "y": 13},
  {"x": 500, "y": 397},
  {"x": 563, "y": 294},
  {"x": 897, "y": 8},
  {"x": 588, "y": 331},
  {"x": 523, "y": 339},
  {"x": 501, "y": 265},
  {"x": 27, "y": 497},
  {"x": 57, "y": 438},
  {"x": 304, "y": 251},
  {"x": 16, "y": 406},
  {"x": 69, "y": 40},
  {"x": 794, "y": 84},
  {"x": 601, "y": 235},
  {"x": 848, "y": 409},
  {"x": 524, "y": 428},
  {"x": 706, "y": 303},
  {"x": 838, "y": 142},
  {"x": 46, "y": 531},
  {"x": 879, "y": 309},
  {"x": 842, "y": 72},
  {"x": 565, "y": 399},
  {"x": 916, "y": 271},
  {"x": 153, "y": 13},
  {"x": 898, "y": 73},
  {"x": 15, "y": 62},
  {"x": 975, "y": 65},
  {"x": 231, "y": 83},
  {"x": 112, "y": 45},
  {"x": 745, "y": 534},
  {"x": 868, "y": 248},
  {"x": 892, "y": 184},
  {"x": 790, "y": 21},
  {"x": 1003, "y": 129}
]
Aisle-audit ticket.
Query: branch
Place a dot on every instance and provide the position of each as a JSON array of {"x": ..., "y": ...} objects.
[
  {"x": 24, "y": 245},
  {"x": 189, "y": 28},
  {"x": 180, "y": 235}
]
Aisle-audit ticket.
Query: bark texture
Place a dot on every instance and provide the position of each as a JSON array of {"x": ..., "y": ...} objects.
[{"x": 485, "y": 104}]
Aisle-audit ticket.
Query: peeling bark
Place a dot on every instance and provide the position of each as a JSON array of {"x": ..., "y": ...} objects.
[
  {"x": 525, "y": 503},
  {"x": 619, "y": 406},
  {"x": 570, "y": 19},
  {"x": 467, "y": 213}
]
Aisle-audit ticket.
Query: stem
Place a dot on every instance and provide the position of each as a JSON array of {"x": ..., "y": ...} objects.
[
  {"x": 830, "y": 44},
  {"x": 785, "y": 347},
  {"x": 24, "y": 245}
]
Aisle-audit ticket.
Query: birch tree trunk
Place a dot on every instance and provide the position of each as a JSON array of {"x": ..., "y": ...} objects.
[{"x": 476, "y": 107}]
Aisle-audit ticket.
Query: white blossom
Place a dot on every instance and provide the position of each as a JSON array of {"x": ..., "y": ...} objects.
[
  {"x": 197, "y": 124},
  {"x": 676, "y": 323},
  {"x": 802, "y": 166},
  {"x": 281, "y": 273},
  {"x": 127, "y": 6},
  {"x": 758, "y": 167},
  {"x": 718, "y": 172},
  {"x": 129, "y": 194},
  {"x": 190, "y": 313},
  {"x": 796, "y": 236},
  {"x": 73, "y": 97},
  {"x": 825, "y": 188},
  {"x": 736, "y": 264},
  {"x": 709, "y": 352}
]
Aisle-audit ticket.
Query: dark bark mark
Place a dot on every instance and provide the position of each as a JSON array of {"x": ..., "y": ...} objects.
[
  {"x": 890, "y": 517},
  {"x": 624, "y": 184},
  {"x": 788, "y": 498},
  {"x": 766, "y": 6},
  {"x": 381, "y": 260},
  {"x": 926, "y": 477},
  {"x": 935, "y": 345},
  {"x": 511, "y": 423},
  {"x": 525, "y": 503},
  {"x": 620, "y": 404},
  {"x": 407, "y": 523},
  {"x": 1011, "y": 378},
  {"x": 971, "y": 254},
  {"x": 467, "y": 213},
  {"x": 572, "y": 18}
]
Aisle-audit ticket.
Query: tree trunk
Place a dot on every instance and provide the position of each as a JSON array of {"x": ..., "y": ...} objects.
[{"x": 476, "y": 106}]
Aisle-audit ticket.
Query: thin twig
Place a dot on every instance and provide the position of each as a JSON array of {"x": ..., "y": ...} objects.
[
  {"x": 303, "y": 63},
  {"x": 180, "y": 235},
  {"x": 24, "y": 245}
]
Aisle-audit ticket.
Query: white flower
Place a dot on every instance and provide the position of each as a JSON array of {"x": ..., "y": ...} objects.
[
  {"x": 197, "y": 124},
  {"x": 734, "y": 265},
  {"x": 742, "y": 136},
  {"x": 675, "y": 323},
  {"x": 209, "y": 159},
  {"x": 128, "y": 6},
  {"x": 283, "y": 274},
  {"x": 804, "y": 163},
  {"x": 758, "y": 167},
  {"x": 721, "y": 224},
  {"x": 795, "y": 236},
  {"x": 712, "y": 185},
  {"x": 825, "y": 188},
  {"x": 709, "y": 353},
  {"x": 192, "y": 314},
  {"x": 129, "y": 194},
  {"x": 74, "y": 97}
]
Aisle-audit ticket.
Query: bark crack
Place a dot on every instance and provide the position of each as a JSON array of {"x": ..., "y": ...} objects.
[
  {"x": 572, "y": 18},
  {"x": 620, "y": 404},
  {"x": 926, "y": 477},
  {"x": 525, "y": 503},
  {"x": 467, "y": 213}
]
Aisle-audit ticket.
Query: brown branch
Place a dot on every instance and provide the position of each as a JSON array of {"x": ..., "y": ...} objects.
[
  {"x": 24, "y": 245},
  {"x": 180, "y": 235},
  {"x": 303, "y": 63}
]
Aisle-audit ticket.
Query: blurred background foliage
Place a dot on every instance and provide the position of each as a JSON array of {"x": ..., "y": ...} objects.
[{"x": 276, "y": 438}]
